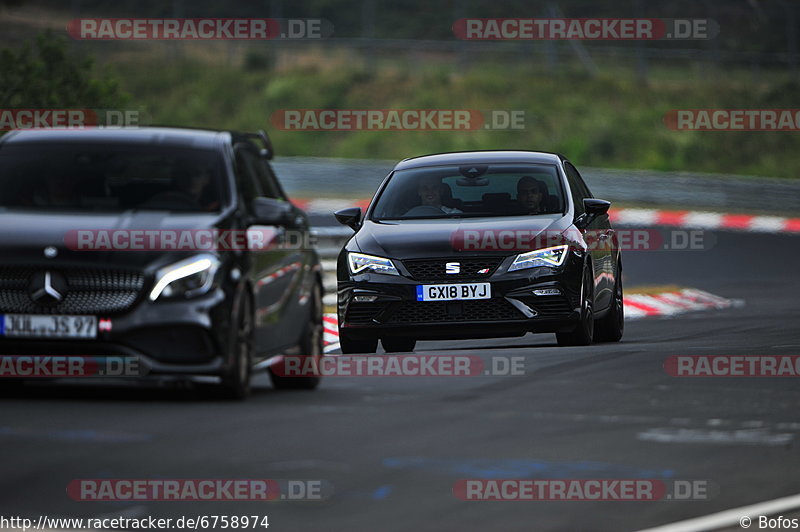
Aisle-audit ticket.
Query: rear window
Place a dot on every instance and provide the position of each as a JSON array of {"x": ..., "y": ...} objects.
[
  {"x": 471, "y": 191},
  {"x": 111, "y": 178}
]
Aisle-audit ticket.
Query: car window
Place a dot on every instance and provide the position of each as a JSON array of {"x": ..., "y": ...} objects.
[
  {"x": 471, "y": 191},
  {"x": 584, "y": 187},
  {"x": 268, "y": 180},
  {"x": 577, "y": 187},
  {"x": 246, "y": 166},
  {"x": 258, "y": 178},
  {"x": 111, "y": 177}
]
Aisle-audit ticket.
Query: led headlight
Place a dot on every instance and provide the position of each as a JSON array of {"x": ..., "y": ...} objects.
[
  {"x": 188, "y": 278},
  {"x": 554, "y": 256},
  {"x": 361, "y": 263}
]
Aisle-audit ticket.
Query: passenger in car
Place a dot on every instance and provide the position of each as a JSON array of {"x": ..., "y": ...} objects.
[{"x": 531, "y": 193}]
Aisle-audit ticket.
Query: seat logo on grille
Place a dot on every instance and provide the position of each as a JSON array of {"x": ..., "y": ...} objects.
[
  {"x": 452, "y": 267},
  {"x": 47, "y": 288}
]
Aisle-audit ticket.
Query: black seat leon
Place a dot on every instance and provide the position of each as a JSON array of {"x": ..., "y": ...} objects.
[{"x": 529, "y": 249}]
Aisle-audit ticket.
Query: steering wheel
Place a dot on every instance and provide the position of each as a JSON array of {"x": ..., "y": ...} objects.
[{"x": 422, "y": 210}]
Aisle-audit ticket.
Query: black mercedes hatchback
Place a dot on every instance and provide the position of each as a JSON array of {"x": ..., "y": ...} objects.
[
  {"x": 176, "y": 248},
  {"x": 479, "y": 245}
]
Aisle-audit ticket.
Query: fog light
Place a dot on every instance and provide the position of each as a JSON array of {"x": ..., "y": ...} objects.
[
  {"x": 547, "y": 292},
  {"x": 364, "y": 299}
]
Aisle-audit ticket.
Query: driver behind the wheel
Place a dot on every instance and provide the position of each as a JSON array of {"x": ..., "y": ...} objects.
[
  {"x": 429, "y": 190},
  {"x": 188, "y": 187},
  {"x": 193, "y": 182}
]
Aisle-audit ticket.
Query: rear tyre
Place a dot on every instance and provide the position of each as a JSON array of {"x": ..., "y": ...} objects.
[
  {"x": 352, "y": 344},
  {"x": 584, "y": 331},
  {"x": 398, "y": 344},
  {"x": 235, "y": 383},
  {"x": 311, "y": 346},
  {"x": 612, "y": 325}
]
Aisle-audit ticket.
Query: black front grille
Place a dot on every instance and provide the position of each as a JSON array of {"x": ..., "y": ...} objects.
[
  {"x": 495, "y": 309},
  {"x": 89, "y": 291},
  {"x": 436, "y": 270},
  {"x": 548, "y": 306}
]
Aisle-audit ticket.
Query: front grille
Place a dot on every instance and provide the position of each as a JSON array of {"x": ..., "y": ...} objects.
[
  {"x": 496, "y": 309},
  {"x": 548, "y": 306},
  {"x": 89, "y": 291},
  {"x": 435, "y": 269}
]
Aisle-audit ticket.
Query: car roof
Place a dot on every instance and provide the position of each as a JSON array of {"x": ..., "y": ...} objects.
[
  {"x": 480, "y": 157},
  {"x": 159, "y": 136}
]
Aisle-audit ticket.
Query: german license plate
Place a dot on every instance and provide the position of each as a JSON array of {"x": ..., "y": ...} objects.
[
  {"x": 36, "y": 326},
  {"x": 454, "y": 292}
]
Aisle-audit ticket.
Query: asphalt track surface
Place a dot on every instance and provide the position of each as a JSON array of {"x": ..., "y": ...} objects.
[{"x": 394, "y": 447}]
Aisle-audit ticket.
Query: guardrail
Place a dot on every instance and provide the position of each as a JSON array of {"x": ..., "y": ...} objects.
[
  {"x": 359, "y": 178},
  {"x": 345, "y": 178},
  {"x": 330, "y": 240}
]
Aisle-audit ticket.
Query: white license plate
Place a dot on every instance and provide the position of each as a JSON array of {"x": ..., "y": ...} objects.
[
  {"x": 35, "y": 326},
  {"x": 454, "y": 292}
]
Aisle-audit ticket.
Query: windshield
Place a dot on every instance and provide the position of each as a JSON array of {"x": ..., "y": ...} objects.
[
  {"x": 471, "y": 191},
  {"x": 110, "y": 178}
]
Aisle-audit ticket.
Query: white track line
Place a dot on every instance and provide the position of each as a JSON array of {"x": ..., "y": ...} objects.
[{"x": 732, "y": 517}]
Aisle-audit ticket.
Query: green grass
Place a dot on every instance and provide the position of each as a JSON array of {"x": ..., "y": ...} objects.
[{"x": 609, "y": 121}]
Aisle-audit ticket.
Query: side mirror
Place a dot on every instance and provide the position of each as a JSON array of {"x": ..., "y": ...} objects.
[
  {"x": 269, "y": 211},
  {"x": 594, "y": 208},
  {"x": 350, "y": 217}
]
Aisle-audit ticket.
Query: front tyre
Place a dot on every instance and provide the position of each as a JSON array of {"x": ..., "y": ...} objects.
[
  {"x": 311, "y": 345},
  {"x": 612, "y": 325},
  {"x": 584, "y": 330},
  {"x": 398, "y": 344},
  {"x": 235, "y": 383},
  {"x": 351, "y": 344}
]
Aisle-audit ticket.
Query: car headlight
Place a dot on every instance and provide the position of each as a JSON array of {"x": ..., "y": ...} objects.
[
  {"x": 360, "y": 263},
  {"x": 554, "y": 256},
  {"x": 187, "y": 278}
]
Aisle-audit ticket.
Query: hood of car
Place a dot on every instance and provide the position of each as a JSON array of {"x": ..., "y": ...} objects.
[
  {"x": 121, "y": 239},
  {"x": 451, "y": 236}
]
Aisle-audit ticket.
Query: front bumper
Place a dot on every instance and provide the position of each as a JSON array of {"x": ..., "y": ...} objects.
[
  {"x": 513, "y": 309},
  {"x": 167, "y": 338}
]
